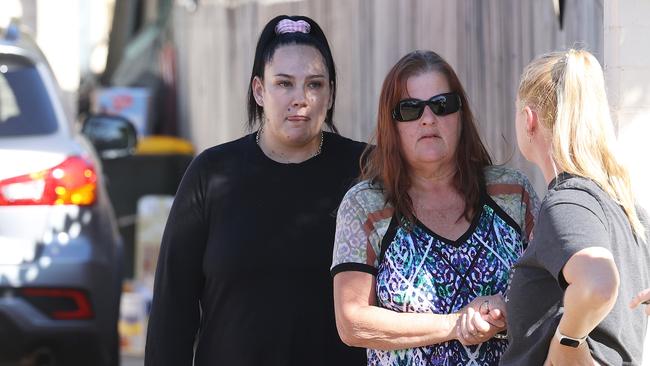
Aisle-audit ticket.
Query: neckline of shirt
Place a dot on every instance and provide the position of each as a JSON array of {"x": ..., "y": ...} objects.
[
  {"x": 558, "y": 179},
  {"x": 262, "y": 157},
  {"x": 466, "y": 234}
]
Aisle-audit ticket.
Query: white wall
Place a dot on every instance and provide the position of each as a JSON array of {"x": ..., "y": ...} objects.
[
  {"x": 627, "y": 70},
  {"x": 627, "y": 73},
  {"x": 57, "y": 23},
  {"x": 73, "y": 35},
  {"x": 488, "y": 42}
]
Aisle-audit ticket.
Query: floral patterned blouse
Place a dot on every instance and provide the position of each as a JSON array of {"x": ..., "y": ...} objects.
[{"x": 420, "y": 271}]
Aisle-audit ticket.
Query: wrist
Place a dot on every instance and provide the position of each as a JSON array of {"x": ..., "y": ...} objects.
[
  {"x": 567, "y": 340},
  {"x": 452, "y": 325}
]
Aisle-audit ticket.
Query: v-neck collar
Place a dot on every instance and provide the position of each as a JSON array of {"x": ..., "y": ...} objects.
[{"x": 465, "y": 236}]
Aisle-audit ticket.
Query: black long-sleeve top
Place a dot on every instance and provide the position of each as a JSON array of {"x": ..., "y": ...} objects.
[{"x": 244, "y": 261}]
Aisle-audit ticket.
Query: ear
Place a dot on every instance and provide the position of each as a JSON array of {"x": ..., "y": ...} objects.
[
  {"x": 258, "y": 90},
  {"x": 532, "y": 121}
]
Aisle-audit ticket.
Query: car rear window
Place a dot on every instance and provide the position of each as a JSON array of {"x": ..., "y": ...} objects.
[{"x": 25, "y": 106}]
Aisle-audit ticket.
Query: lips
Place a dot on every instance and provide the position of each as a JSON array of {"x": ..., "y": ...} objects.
[
  {"x": 429, "y": 136},
  {"x": 298, "y": 118}
]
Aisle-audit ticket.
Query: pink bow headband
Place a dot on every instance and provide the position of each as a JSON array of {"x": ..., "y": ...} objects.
[{"x": 290, "y": 26}]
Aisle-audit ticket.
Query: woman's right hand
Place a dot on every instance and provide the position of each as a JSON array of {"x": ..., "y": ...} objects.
[
  {"x": 481, "y": 319},
  {"x": 642, "y": 297}
]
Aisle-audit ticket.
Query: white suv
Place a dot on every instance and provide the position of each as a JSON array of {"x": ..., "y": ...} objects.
[{"x": 60, "y": 251}]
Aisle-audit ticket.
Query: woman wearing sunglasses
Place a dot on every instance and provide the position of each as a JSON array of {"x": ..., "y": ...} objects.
[
  {"x": 424, "y": 244},
  {"x": 589, "y": 255}
]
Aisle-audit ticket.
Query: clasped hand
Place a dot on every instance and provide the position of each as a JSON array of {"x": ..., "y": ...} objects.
[{"x": 481, "y": 319}]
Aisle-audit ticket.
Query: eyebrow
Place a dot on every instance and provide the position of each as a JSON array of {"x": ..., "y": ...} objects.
[{"x": 319, "y": 76}]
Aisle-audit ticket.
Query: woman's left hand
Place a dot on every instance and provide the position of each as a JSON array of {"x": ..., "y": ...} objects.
[
  {"x": 560, "y": 355},
  {"x": 481, "y": 319}
]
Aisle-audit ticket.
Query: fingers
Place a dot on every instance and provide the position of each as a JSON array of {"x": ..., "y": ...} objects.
[
  {"x": 469, "y": 330},
  {"x": 497, "y": 302},
  {"x": 488, "y": 304},
  {"x": 461, "y": 338},
  {"x": 461, "y": 333},
  {"x": 481, "y": 319},
  {"x": 484, "y": 308},
  {"x": 641, "y": 297},
  {"x": 465, "y": 332},
  {"x": 468, "y": 322},
  {"x": 480, "y": 324},
  {"x": 496, "y": 314},
  {"x": 496, "y": 319}
]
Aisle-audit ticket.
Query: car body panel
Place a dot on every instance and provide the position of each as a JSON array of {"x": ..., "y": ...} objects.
[{"x": 56, "y": 246}]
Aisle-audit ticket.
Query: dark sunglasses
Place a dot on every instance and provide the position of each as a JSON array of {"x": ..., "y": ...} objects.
[{"x": 412, "y": 109}]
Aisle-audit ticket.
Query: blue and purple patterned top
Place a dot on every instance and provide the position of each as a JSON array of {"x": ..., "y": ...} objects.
[{"x": 419, "y": 271}]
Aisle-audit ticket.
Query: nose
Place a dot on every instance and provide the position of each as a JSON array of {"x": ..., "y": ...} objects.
[
  {"x": 299, "y": 98},
  {"x": 428, "y": 117}
]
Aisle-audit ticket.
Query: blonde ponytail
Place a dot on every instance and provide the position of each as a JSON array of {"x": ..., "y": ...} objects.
[{"x": 568, "y": 91}]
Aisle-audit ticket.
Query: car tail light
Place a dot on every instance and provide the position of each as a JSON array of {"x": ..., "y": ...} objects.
[
  {"x": 60, "y": 304},
  {"x": 73, "y": 182}
]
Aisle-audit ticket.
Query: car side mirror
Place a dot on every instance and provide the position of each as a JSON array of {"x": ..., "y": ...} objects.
[{"x": 112, "y": 136}]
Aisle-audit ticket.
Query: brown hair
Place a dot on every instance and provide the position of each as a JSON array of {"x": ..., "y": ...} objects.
[{"x": 385, "y": 162}]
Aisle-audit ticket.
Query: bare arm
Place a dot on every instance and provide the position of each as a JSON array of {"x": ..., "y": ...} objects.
[
  {"x": 362, "y": 324},
  {"x": 593, "y": 288}
]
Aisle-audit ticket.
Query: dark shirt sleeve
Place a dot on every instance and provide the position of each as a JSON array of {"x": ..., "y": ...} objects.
[
  {"x": 175, "y": 315},
  {"x": 570, "y": 220}
]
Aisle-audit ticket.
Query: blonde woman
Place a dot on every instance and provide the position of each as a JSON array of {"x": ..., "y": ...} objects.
[{"x": 569, "y": 294}]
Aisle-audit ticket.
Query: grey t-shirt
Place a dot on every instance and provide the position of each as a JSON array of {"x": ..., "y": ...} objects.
[{"x": 576, "y": 214}]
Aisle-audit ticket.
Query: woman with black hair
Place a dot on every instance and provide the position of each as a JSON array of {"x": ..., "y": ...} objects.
[{"x": 242, "y": 276}]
